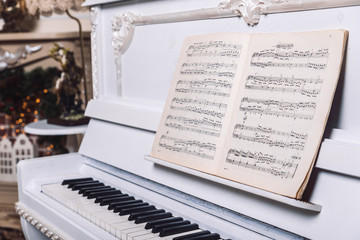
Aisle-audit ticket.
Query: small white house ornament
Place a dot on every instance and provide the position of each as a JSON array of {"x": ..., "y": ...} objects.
[{"x": 11, "y": 154}]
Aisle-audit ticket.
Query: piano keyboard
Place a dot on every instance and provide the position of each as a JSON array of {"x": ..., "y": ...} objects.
[{"x": 122, "y": 215}]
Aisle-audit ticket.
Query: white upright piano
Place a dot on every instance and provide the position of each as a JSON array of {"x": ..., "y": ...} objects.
[{"x": 135, "y": 46}]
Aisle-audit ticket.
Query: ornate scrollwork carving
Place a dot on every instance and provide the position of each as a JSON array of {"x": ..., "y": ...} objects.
[
  {"x": 123, "y": 27},
  {"x": 250, "y": 10},
  {"x": 123, "y": 30}
]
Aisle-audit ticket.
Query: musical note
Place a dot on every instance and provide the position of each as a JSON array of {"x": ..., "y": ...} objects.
[
  {"x": 263, "y": 162},
  {"x": 270, "y": 130},
  {"x": 183, "y": 101},
  {"x": 191, "y": 147},
  {"x": 207, "y": 86},
  {"x": 291, "y": 58},
  {"x": 209, "y": 65},
  {"x": 208, "y": 73},
  {"x": 298, "y": 145},
  {"x": 274, "y": 53},
  {"x": 199, "y": 106},
  {"x": 214, "y": 49},
  {"x": 305, "y": 86},
  {"x": 204, "y": 126},
  {"x": 296, "y": 110},
  {"x": 316, "y": 66}
]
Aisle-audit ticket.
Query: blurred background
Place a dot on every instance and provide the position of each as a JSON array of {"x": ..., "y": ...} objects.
[{"x": 45, "y": 70}]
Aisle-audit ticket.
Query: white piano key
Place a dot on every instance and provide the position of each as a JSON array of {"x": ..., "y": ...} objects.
[
  {"x": 139, "y": 233},
  {"x": 87, "y": 208},
  {"x": 146, "y": 236},
  {"x": 111, "y": 222},
  {"x": 120, "y": 227},
  {"x": 132, "y": 228}
]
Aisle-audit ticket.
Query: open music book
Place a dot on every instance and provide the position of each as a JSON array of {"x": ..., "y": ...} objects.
[{"x": 251, "y": 108}]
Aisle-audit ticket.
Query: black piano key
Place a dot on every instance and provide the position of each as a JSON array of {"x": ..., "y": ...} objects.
[
  {"x": 145, "y": 219},
  {"x": 106, "y": 200},
  {"x": 83, "y": 190},
  {"x": 134, "y": 216},
  {"x": 127, "y": 211},
  {"x": 67, "y": 181},
  {"x": 86, "y": 192},
  {"x": 102, "y": 193},
  {"x": 84, "y": 185},
  {"x": 113, "y": 205},
  {"x": 191, "y": 235},
  {"x": 136, "y": 203},
  {"x": 178, "y": 229},
  {"x": 160, "y": 227},
  {"x": 211, "y": 236},
  {"x": 70, "y": 185},
  {"x": 153, "y": 223},
  {"x": 160, "y": 221}
]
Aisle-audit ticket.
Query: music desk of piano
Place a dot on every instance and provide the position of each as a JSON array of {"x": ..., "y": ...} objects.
[{"x": 135, "y": 45}]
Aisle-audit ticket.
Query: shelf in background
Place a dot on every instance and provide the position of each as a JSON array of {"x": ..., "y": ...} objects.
[{"x": 41, "y": 127}]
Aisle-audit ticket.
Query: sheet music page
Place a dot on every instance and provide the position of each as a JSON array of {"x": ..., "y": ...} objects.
[
  {"x": 201, "y": 95},
  {"x": 284, "y": 100}
]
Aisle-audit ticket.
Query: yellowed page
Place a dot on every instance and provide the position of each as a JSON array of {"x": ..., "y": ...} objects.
[
  {"x": 191, "y": 130},
  {"x": 282, "y": 107}
]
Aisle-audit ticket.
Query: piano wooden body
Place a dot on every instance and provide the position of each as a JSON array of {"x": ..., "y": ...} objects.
[{"x": 135, "y": 46}]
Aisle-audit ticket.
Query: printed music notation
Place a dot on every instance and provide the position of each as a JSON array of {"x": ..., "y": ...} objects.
[
  {"x": 255, "y": 105},
  {"x": 191, "y": 147},
  {"x": 214, "y": 49},
  {"x": 204, "y": 125},
  {"x": 271, "y": 131},
  {"x": 265, "y": 163},
  {"x": 208, "y": 86},
  {"x": 295, "y": 110},
  {"x": 305, "y": 86},
  {"x": 288, "y": 65},
  {"x": 208, "y": 65},
  {"x": 289, "y": 58},
  {"x": 199, "y": 106},
  {"x": 276, "y": 54},
  {"x": 270, "y": 136},
  {"x": 199, "y": 102},
  {"x": 209, "y": 69}
]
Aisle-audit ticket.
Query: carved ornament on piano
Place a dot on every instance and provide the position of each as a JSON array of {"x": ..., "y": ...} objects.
[
  {"x": 123, "y": 25},
  {"x": 37, "y": 223},
  {"x": 249, "y": 10}
]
